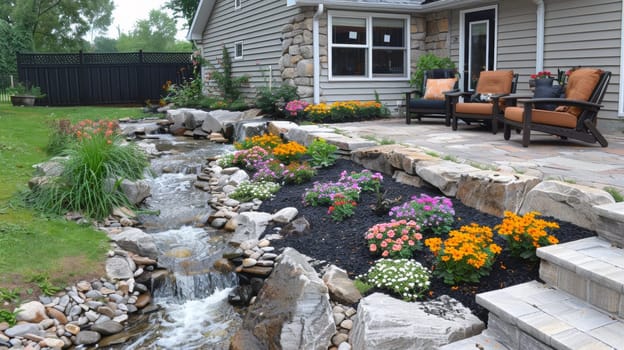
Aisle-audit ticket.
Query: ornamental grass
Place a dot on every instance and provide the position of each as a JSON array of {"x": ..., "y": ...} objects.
[
  {"x": 524, "y": 234},
  {"x": 466, "y": 255},
  {"x": 97, "y": 160}
]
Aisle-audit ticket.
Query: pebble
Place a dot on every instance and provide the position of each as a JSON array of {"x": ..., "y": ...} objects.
[
  {"x": 249, "y": 262},
  {"x": 346, "y": 324},
  {"x": 339, "y": 338}
]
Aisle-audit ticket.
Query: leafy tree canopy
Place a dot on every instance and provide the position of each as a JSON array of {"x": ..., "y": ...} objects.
[
  {"x": 13, "y": 41},
  {"x": 157, "y": 33},
  {"x": 184, "y": 9},
  {"x": 57, "y": 25}
]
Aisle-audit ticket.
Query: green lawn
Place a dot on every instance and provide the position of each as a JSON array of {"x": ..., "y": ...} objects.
[{"x": 32, "y": 244}]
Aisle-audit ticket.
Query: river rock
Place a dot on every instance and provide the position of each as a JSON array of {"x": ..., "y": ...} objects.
[
  {"x": 249, "y": 262},
  {"x": 33, "y": 311},
  {"x": 241, "y": 295},
  {"x": 53, "y": 343},
  {"x": 87, "y": 338},
  {"x": 117, "y": 268},
  {"x": 24, "y": 328},
  {"x": 385, "y": 323},
  {"x": 298, "y": 226},
  {"x": 292, "y": 309},
  {"x": 143, "y": 300},
  {"x": 57, "y": 315},
  {"x": 250, "y": 226},
  {"x": 236, "y": 179},
  {"x": 285, "y": 215},
  {"x": 136, "y": 191},
  {"x": 223, "y": 265},
  {"x": 107, "y": 327},
  {"x": 72, "y": 328},
  {"x": 136, "y": 241},
  {"x": 341, "y": 287}
]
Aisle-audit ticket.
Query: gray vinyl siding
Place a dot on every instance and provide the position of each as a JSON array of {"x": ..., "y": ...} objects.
[
  {"x": 588, "y": 34},
  {"x": 517, "y": 39},
  {"x": 390, "y": 92},
  {"x": 258, "y": 24}
]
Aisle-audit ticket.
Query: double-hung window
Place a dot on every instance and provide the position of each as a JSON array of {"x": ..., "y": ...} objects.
[{"x": 368, "y": 46}]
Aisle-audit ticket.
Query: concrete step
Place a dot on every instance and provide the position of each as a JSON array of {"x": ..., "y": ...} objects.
[
  {"x": 533, "y": 315},
  {"x": 590, "y": 269},
  {"x": 610, "y": 222},
  {"x": 483, "y": 341}
]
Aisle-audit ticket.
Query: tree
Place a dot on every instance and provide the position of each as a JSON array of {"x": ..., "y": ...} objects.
[
  {"x": 104, "y": 44},
  {"x": 184, "y": 9},
  {"x": 157, "y": 33},
  {"x": 57, "y": 25},
  {"x": 13, "y": 41}
]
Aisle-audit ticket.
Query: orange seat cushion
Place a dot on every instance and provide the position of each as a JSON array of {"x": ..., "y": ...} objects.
[
  {"x": 581, "y": 84},
  {"x": 474, "y": 108},
  {"x": 495, "y": 82},
  {"x": 436, "y": 88},
  {"x": 542, "y": 116}
]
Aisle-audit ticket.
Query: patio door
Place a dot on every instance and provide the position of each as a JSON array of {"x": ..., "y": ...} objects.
[{"x": 479, "y": 32}]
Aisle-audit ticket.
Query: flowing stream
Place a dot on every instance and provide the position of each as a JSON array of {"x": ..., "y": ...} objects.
[{"x": 193, "y": 311}]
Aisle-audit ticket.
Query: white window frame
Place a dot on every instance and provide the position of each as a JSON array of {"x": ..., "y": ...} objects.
[
  {"x": 238, "y": 4},
  {"x": 368, "y": 46},
  {"x": 236, "y": 45}
]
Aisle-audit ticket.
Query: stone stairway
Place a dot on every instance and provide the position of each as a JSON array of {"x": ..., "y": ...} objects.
[{"x": 580, "y": 305}]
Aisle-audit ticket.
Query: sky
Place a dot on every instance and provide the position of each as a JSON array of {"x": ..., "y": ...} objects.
[{"x": 127, "y": 12}]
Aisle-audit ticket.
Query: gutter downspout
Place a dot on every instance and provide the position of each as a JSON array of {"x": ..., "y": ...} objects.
[
  {"x": 539, "y": 39},
  {"x": 316, "y": 53}
]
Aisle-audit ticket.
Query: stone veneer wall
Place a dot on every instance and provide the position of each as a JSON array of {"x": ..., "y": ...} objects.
[
  {"x": 437, "y": 38},
  {"x": 297, "y": 62}
]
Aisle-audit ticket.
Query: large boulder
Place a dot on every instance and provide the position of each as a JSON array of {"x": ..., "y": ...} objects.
[
  {"x": 494, "y": 192},
  {"x": 251, "y": 225},
  {"x": 136, "y": 241},
  {"x": 376, "y": 158},
  {"x": 135, "y": 191},
  {"x": 218, "y": 120},
  {"x": 385, "y": 323},
  {"x": 565, "y": 201},
  {"x": 53, "y": 167},
  {"x": 443, "y": 175},
  {"x": 194, "y": 119},
  {"x": 292, "y": 310}
]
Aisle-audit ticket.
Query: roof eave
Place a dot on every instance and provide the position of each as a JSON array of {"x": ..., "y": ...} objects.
[
  {"x": 416, "y": 8},
  {"x": 200, "y": 20}
]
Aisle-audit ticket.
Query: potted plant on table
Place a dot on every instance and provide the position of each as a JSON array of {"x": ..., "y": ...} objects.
[
  {"x": 543, "y": 78},
  {"x": 22, "y": 95}
]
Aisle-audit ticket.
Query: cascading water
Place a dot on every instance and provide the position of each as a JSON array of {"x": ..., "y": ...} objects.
[{"x": 193, "y": 309}]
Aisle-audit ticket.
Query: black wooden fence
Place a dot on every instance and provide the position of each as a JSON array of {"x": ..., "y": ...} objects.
[{"x": 102, "y": 78}]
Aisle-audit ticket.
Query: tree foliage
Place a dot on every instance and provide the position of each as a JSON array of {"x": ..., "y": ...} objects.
[
  {"x": 13, "y": 41},
  {"x": 184, "y": 9},
  {"x": 157, "y": 33},
  {"x": 57, "y": 25}
]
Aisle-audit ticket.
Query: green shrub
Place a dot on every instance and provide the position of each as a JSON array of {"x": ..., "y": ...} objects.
[
  {"x": 268, "y": 98},
  {"x": 322, "y": 153},
  {"x": 427, "y": 62}
]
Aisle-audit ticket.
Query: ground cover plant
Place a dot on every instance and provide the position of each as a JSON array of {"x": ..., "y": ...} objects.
[
  {"x": 344, "y": 243},
  {"x": 64, "y": 251}
]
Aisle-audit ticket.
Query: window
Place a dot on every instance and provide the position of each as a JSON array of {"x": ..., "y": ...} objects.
[
  {"x": 237, "y": 4},
  {"x": 368, "y": 46},
  {"x": 238, "y": 50}
]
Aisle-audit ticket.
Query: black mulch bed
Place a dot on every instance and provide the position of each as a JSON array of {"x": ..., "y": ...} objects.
[{"x": 343, "y": 243}]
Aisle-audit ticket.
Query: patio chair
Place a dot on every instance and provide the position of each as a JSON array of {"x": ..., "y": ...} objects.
[
  {"x": 575, "y": 116},
  {"x": 431, "y": 101},
  {"x": 483, "y": 105}
]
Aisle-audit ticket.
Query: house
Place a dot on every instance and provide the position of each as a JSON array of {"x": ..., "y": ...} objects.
[{"x": 335, "y": 50}]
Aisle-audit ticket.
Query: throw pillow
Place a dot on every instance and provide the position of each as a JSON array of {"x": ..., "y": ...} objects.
[
  {"x": 547, "y": 92},
  {"x": 435, "y": 88},
  {"x": 581, "y": 84}
]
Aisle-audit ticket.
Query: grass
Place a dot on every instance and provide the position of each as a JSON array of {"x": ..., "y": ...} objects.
[
  {"x": 33, "y": 244},
  {"x": 617, "y": 196}
]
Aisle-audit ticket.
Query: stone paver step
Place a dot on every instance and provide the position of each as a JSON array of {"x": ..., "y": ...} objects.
[
  {"x": 590, "y": 269},
  {"x": 610, "y": 223},
  {"x": 533, "y": 315},
  {"x": 482, "y": 341}
]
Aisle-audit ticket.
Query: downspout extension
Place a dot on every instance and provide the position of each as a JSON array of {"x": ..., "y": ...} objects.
[
  {"x": 539, "y": 39},
  {"x": 316, "y": 38}
]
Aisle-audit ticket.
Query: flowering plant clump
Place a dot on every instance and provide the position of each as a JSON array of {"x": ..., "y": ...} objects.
[
  {"x": 288, "y": 152},
  {"x": 341, "y": 208},
  {"x": 226, "y": 160},
  {"x": 322, "y": 153},
  {"x": 365, "y": 179},
  {"x": 247, "y": 191},
  {"x": 266, "y": 141},
  {"x": 248, "y": 158},
  {"x": 298, "y": 173},
  {"x": 435, "y": 214},
  {"x": 340, "y": 111},
  {"x": 295, "y": 107},
  {"x": 88, "y": 129},
  {"x": 542, "y": 75},
  {"x": 466, "y": 255},
  {"x": 395, "y": 239},
  {"x": 270, "y": 170},
  {"x": 317, "y": 112},
  {"x": 405, "y": 277},
  {"x": 524, "y": 234},
  {"x": 323, "y": 193}
]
